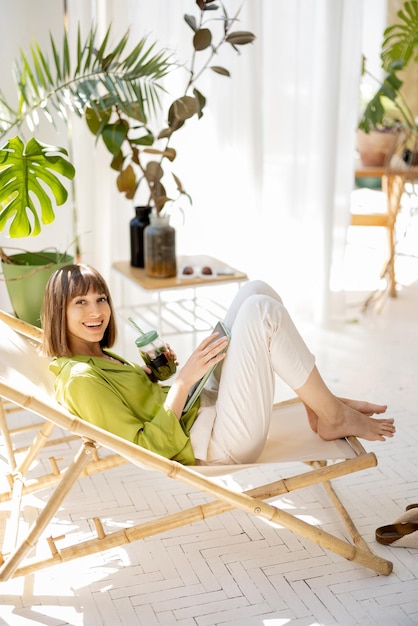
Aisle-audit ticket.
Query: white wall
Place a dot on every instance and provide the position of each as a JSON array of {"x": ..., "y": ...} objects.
[{"x": 20, "y": 23}]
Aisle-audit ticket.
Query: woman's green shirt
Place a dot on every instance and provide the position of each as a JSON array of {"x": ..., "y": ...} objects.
[{"x": 120, "y": 398}]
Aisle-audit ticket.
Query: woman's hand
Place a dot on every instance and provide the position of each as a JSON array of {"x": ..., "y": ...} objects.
[{"x": 208, "y": 353}]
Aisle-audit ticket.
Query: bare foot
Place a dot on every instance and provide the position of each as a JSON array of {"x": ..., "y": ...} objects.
[
  {"x": 349, "y": 420},
  {"x": 334, "y": 418},
  {"x": 366, "y": 408}
]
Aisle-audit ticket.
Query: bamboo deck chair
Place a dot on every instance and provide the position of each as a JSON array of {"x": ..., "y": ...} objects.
[{"x": 26, "y": 382}]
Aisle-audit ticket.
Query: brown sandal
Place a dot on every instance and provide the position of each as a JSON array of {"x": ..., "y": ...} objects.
[
  {"x": 394, "y": 532},
  {"x": 403, "y": 533}
]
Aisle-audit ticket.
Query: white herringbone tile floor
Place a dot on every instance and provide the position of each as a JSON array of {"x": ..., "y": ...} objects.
[{"x": 233, "y": 570}]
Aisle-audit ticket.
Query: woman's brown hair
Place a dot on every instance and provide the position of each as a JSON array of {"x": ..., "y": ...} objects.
[{"x": 65, "y": 284}]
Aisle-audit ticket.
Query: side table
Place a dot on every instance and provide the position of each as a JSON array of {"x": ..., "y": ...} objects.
[
  {"x": 393, "y": 185},
  {"x": 173, "y": 305}
]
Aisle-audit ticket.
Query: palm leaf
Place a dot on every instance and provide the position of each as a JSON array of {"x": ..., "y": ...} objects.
[
  {"x": 52, "y": 86},
  {"x": 48, "y": 80}
]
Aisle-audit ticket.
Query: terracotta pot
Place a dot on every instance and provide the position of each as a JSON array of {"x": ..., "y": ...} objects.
[{"x": 376, "y": 147}]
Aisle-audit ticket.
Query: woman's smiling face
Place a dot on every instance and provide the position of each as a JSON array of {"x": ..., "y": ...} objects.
[{"x": 87, "y": 320}]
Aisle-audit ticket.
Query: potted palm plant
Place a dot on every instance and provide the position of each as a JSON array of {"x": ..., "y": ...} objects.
[
  {"x": 117, "y": 95},
  {"x": 389, "y": 108}
]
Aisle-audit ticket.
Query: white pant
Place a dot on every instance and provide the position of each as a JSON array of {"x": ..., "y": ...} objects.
[{"x": 233, "y": 423}]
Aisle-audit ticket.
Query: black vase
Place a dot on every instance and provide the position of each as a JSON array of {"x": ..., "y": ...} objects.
[{"x": 137, "y": 226}]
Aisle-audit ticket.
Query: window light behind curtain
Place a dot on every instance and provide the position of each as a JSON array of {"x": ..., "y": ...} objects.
[{"x": 269, "y": 166}]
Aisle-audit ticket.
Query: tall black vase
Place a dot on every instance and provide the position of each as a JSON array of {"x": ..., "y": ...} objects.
[{"x": 137, "y": 226}]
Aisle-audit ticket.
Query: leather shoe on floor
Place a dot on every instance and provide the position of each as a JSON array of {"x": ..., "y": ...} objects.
[{"x": 403, "y": 533}]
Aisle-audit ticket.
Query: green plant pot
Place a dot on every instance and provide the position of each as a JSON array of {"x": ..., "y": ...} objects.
[{"x": 26, "y": 278}]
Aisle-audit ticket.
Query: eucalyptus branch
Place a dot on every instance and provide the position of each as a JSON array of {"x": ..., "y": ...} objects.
[
  {"x": 192, "y": 77},
  {"x": 181, "y": 108},
  {"x": 214, "y": 49}
]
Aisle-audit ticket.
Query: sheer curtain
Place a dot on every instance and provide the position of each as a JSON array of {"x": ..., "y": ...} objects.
[{"x": 269, "y": 166}]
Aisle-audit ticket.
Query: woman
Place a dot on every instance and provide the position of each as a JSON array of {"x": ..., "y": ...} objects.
[{"x": 230, "y": 421}]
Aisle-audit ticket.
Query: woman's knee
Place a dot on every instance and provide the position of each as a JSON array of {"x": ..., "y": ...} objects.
[
  {"x": 259, "y": 287},
  {"x": 260, "y": 310}
]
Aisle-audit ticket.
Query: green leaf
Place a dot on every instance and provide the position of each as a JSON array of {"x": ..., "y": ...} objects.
[
  {"x": 400, "y": 41},
  {"x": 145, "y": 140},
  {"x": 28, "y": 174},
  {"x": 117, "y": 162},
  {"x": 114, "y": 135},
  {"x": 66, "y": 56},
  {"x": 56, "y": 58},
  {"x": 96, "y": 121},
  {"x": 89, "y": 46},
  {"x": 52, "y": 87},
  {"x": 133, "y": 110},
  {"x": 375, "y": 111}
]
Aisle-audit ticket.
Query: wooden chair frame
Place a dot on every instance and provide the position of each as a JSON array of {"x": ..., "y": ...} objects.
[{"x": 253, "y": 502}]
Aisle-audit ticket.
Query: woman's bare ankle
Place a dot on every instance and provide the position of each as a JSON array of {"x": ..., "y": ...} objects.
[{"x": 312, "y": 418}]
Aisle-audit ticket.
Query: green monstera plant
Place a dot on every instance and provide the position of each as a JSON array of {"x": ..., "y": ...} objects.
[
  {"x": 27, "y": 174},
  {"x": 399, "y": 50},
  {"x": 116, "y": 93}
]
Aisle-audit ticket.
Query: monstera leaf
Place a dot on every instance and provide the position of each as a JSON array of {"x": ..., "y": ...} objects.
[
  {"x": 399, "y": 49},
  {"x": 400, "y": 42},
  {"x": 29, "y": 185}
]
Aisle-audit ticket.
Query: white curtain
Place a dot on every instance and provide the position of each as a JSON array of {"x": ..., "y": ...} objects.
[{"x": 269, "y": 166}]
